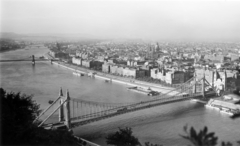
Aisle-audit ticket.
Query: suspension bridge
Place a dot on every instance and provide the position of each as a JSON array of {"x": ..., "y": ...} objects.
[
  {"x": 29, "y": 59},
  {"x": 75, "y": 112}
]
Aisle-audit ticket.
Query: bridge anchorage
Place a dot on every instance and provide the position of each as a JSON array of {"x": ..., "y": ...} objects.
[{"x": 75, "y": 112}]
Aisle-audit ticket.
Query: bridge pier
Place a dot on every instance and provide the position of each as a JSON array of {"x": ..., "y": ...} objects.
[
  {"x": 67, "y": 111},
  {"x": 33, "y": 60},
  {"x": 61, "y": 114}
]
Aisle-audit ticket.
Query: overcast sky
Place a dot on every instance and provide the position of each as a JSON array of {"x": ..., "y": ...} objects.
[{"x": 127, "y": 19}]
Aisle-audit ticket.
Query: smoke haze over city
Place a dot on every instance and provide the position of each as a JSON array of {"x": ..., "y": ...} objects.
[{"x": 157, "y": 20}]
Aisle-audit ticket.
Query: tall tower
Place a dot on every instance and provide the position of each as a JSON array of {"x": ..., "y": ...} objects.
[
  {"x": 157, "y": 48},
  {"x": 151, "y": 52},
  {"x": 58, "y": 46}
]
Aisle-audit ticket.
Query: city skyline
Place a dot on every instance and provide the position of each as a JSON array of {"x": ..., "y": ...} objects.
[{"x": 183, "y": 20}]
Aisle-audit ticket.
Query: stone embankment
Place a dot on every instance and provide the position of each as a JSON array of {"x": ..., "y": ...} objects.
[{"x": 112, "y": 78}]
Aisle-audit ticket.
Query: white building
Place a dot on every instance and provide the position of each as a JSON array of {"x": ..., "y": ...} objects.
[{"x": 76, "y": 60}]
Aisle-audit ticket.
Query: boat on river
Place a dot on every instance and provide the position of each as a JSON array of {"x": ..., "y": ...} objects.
[
  {"x": 50, "y": 101},
  {"x": 91, "y": 74},
  {"x": 78, "y": 74},
  {"x": 148, "y": 91},
  {"x": 108, "y": 81},
  {"x": 224, "y": 106},
  {"x": 226, "y": 111},
  {"x": 41, "y": 57}
]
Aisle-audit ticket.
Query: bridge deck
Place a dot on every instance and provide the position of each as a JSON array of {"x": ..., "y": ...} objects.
[
  {"x": 98, "y": 111},
  {"x": 18, "y": 60},
  {"x": 78, "y": 121}
]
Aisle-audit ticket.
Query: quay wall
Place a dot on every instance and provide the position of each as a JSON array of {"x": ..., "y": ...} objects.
[
  {"x": 96, "y": 75},
  {"x": 88, "y": 143},
  {"x": 117, "y": 80}
]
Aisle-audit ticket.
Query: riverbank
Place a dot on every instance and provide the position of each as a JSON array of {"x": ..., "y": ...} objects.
[
  {"x": 116, "y": 79},
  {"x": 9, "y": 50},
  {"x": 161, "y": 124},
  {"x": 109, "y": 77}
]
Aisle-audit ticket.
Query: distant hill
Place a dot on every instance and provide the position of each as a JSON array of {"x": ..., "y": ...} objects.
[
  {"x": 45, "y": 36},
  {"x": 10, "y": 35},
  {"x": 73, "y": 36}
]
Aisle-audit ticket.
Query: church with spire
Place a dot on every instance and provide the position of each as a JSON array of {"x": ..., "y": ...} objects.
[{"x": 154, "y": 52}]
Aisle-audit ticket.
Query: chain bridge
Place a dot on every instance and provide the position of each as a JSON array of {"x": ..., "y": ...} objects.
[
  {"x": 29, "y": 59},
  {"x": 75, "y": 112}
]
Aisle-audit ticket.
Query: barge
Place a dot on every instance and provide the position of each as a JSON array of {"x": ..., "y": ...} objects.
[
  {"x": 108, "y": 81},
  {"x": 91, "y": 74},
  {"x": 226, "y": 104},
  {"x": 148, "y": 91},
  {"x": 78, "y": 74}
]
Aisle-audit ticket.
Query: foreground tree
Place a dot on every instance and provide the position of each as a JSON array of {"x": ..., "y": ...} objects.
[
  {"x": 123, "y": 137},
  {"x": 203, "y": 138},
  {"x": 150, "y": 144},
  {"x": 17, "y": 114}
]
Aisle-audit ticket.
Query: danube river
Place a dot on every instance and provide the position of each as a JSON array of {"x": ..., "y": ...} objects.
[{"x": 160, "y": 125}]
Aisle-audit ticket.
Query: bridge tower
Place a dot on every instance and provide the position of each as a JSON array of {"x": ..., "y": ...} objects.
[
  {"x": 194, "y": 82},
  {"x": 213, "y": 74},
  {"x": 61, "y": 112},
  {"x": 225, "y": 80},
  {"x": 203, "y": 84},
  {"x": 33, "y": 60},
  {"x": 67, "y": 111}
]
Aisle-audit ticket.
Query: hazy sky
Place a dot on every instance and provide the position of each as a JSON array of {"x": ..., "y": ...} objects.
[{"x": 131, "y": 19}]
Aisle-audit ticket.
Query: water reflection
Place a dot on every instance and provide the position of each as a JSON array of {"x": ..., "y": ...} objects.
[{"x": 33, "y": 68}]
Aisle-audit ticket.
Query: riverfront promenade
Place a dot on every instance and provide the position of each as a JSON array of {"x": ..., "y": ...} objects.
[{"x": 117, "y": 79}]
